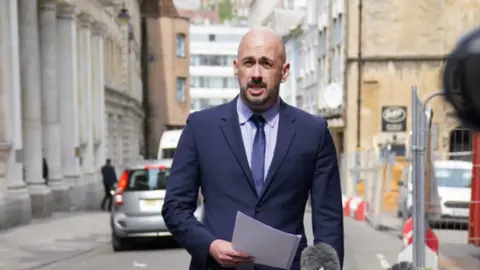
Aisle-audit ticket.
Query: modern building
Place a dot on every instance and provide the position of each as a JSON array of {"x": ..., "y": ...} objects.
[
  {"x": 213, "y": 49},
  {"x": 168, "y": 69},
  {"x": 71, "y": 93}
]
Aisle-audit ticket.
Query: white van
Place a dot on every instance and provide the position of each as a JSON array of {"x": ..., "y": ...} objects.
[
  {"x": 168, "y": 144},
  {"x": 453, "y": 179}
]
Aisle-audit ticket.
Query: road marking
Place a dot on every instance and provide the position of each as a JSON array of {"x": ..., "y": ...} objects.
[{"x": 383, "y": 262}]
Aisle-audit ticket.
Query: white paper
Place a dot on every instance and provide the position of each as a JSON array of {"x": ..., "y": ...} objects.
[{"x": 267, "y": 245}]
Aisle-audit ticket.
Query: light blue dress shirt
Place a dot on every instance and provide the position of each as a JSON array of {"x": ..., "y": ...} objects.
[{"x": 248, "y": 130}]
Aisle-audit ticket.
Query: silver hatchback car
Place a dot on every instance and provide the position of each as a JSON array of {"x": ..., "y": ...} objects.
[{"x": 138, "y": 201}]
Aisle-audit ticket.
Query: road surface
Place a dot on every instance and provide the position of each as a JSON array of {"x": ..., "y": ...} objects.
[{"x": 80, "y": 241}]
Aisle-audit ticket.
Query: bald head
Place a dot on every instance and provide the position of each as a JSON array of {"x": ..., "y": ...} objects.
[
  {"x": 264, "y": 37},
  {"x": 260, "y": 68}
]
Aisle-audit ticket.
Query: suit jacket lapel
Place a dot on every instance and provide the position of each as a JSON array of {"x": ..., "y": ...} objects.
[
  {"x": 231, "y": 130},
  {"x": 286, "y": 132}
]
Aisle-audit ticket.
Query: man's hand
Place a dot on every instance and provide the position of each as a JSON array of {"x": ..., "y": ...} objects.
[{"x": 226, "y": 256}]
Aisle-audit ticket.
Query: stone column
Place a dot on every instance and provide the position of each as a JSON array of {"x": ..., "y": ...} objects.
[
  {"x": 50, "y": 103},
  {"x": 119, "y": 135},
  {"x": 98, "y": 97},
  {"x": 67, "y": 86},
  {"x": 41, "y": 197},
  {"x": 18, "y": 211},
  {"x": 98, "y": 102},
  {"x": 85, "y": 92},
  {"x": 109, "y": 134}
]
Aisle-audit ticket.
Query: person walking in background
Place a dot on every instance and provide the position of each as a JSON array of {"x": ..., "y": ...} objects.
[
  {"x": 109, "y": 180},
  {"x": 258, "y": 155},
  {"x": 45, "y": 170}
]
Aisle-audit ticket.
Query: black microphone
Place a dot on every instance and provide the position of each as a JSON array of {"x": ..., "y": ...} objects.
[
  {"x": 402, "y": 266},
  {"x": 319, "y": 257},
  {"x": 461, "y": 81}
]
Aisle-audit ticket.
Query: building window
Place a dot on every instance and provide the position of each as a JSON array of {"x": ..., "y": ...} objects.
[
  {"x": 181, "y": 89},
  {"x": 181, "y": 48},
  {"x": 215, "y": 82},
  {"x": 211, "y": 60}
]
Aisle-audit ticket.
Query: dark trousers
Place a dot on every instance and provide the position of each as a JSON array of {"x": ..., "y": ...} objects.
[{"x": 107, "y": 197}]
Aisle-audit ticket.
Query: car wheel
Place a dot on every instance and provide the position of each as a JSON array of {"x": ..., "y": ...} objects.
[{"x": 118, "y": 244}]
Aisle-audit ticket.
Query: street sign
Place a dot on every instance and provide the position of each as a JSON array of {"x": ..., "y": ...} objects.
[{"x": 394, "y": 118}]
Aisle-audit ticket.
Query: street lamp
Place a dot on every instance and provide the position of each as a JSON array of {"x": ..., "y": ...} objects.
[{"x": 123, "y": 16}]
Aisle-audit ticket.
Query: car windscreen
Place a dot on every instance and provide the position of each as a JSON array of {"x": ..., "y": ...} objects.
[
  {"x": 453, "y": 177},
  {"x": 147, "y": 179}
]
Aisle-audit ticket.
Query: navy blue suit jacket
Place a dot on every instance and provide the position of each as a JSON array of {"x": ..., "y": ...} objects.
[{"x": 211, "y": 156}]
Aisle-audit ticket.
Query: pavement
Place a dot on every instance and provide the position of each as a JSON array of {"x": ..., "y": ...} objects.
[
  {"x": 58, "y": 238},
  {"x": 80, "y": 241},
  {"x": 456, "y": 254}
]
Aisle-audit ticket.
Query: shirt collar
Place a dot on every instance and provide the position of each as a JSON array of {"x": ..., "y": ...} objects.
[{"x": 244, "y": 113}]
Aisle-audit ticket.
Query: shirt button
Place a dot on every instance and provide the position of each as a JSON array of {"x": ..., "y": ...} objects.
[{"x": 257, "y": 210}]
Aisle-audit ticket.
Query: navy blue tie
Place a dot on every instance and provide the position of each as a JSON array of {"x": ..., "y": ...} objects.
[{"x": 258, "y": 153}]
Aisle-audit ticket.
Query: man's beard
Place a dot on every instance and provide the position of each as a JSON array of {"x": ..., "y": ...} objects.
[{"x": 258, "y": 101}]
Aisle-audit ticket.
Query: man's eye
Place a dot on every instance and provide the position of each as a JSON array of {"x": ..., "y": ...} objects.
[{"x": 248, "y": 63}]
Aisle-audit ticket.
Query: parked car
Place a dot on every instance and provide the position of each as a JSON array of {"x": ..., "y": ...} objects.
[
  {"x": 453, "y": 179},
  {"x": 138, "y": 201}
]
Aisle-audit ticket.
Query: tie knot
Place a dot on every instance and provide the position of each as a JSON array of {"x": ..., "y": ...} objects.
[{"x": 258, "y": 120}]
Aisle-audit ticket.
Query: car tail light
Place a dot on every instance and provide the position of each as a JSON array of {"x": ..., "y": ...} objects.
[
  {"x": 118, "y": 199},
  {"x": 121, "y": 185}
]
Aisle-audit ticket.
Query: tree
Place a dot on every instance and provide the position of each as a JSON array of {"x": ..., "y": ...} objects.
[{"x": 225, "y": 10}]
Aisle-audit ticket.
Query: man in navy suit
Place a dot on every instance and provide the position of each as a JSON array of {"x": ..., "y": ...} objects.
[{"x": 257, "y": 155}]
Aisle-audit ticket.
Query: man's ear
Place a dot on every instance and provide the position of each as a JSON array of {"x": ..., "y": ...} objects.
[
  {"x": 235, "y": 68},
  {"x": 285, "y": 72}
]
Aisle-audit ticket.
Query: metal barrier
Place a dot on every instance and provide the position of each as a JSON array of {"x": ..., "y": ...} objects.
[
  {"x": 424, "y": 196},
  {"x": 377, "y": 185}
]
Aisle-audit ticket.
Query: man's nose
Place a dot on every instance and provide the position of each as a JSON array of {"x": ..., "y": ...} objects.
[
  {"x": 256, "y": 79},
  {"x": 256, "y": 72}
]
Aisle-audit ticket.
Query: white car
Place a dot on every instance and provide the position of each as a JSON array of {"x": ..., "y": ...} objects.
[{"x": 453, "y": 180}]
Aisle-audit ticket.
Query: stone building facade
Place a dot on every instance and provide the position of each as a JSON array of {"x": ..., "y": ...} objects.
[
  {"x": 70, "y": 92},
  {"x": 406, "y": 48}
]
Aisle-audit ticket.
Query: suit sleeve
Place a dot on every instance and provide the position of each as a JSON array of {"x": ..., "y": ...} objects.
[
  {"x": 181, "y": 197},
  {"x": 326, "y": 196}
]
